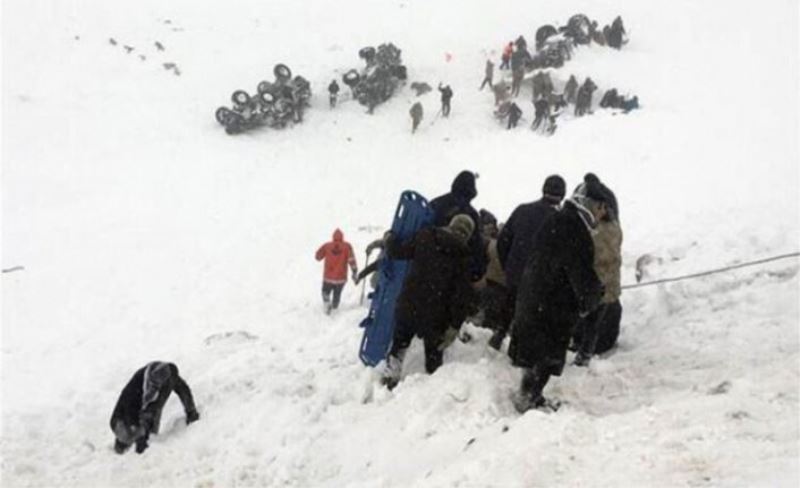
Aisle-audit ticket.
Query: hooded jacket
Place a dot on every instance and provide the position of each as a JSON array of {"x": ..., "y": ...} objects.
[
  {"x": 338, "y": 254},
  {"x": 445, "y": 207},
  {"x": 436, "y": 292},
  {"x": 141, "y": 401}
]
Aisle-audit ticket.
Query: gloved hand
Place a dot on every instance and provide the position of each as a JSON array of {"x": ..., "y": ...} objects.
[
  {"x": 355, "y": 276},
  {"x": 449, "y": 336},
  {"x": 141, "y": 445},
  {"x": 192, "y": 416}
]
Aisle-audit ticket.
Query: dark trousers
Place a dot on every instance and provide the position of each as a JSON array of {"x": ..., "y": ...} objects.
[
  {"x": 590, "y": 329},
  {"x": 533, "y": 381},
  {"x": 445, "y": 108},
  {"x": 486, "y": 81},
  {"x": 605, "y": 328},
  {"x": 327, "y": 289},
  {"x": 403, "y": 335},
  {"x": 512, "y": 122},
  {"x": 415, "y": 123},
  {"x": 333, "y": 100}
]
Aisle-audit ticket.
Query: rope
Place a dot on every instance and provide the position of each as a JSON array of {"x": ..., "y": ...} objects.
[{"x": 713, "y": 271}]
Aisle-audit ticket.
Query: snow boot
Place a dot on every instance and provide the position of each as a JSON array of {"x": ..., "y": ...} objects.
[
  {"x": 582, "y": 360},
  {"x": 496, "y": 341}
]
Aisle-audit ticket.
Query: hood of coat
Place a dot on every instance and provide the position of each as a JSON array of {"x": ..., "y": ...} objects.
[
  {"x": 338, "y": 236},
  {"x": 449, "y": 243},
  {"x": 464, "y": 186}
]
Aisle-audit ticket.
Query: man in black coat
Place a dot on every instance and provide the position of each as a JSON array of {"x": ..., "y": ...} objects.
[
  {"x": 333, "y": 92},
  {"x": 436, "y": 297},
  {"x": 559, "y": 284},
  {"x": 447, "y": 95},
  {"x": 516, "y": 240},
  {"x": 445, "y": 207},
  {"x": 138, "y": 410}
]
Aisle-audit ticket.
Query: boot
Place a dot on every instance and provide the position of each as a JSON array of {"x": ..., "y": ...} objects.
[
  {"x": 393, "y": 370},
  {"x": 496, "y": 341}
]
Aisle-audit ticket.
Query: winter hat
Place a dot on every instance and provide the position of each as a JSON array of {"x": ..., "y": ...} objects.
[
  {"x": 337, "y": 235},
  {"x": 462, "y": 226},
  {"x": 486, "y": 217},
  {"x": 555, "y": 186},
  {"x": 464, "y": 185}
]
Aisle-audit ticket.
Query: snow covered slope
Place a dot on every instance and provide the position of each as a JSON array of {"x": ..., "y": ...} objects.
[{"x": 147, "y": 233}]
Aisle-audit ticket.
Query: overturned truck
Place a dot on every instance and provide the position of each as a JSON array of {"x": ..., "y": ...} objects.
[
  {"x": 275, "y": 104},
  {"x": 383, "y": 74}
]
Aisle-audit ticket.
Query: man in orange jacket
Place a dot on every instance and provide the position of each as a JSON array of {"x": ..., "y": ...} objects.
[{"x": 338, "y": 254}]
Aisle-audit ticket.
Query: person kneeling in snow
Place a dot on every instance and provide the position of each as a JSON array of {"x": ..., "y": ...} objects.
[
  {"x": 338, "y": 254},
  {"x": 138, "y": 410},
  {"x": 437, "y": 295}
]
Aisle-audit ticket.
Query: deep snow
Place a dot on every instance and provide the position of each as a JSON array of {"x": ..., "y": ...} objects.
[{"x": 147, "y": 233}]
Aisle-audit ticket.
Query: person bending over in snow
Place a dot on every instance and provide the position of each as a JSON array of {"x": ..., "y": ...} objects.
[
  {"x": 338, "y": 254},
  {"x": 559, "y": 284},
  {"x": 436, "y": 296},
  {"x": 138, "y": 410}
]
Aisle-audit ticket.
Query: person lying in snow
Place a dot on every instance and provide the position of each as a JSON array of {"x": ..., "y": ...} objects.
[{"x": 138, "y": 410}]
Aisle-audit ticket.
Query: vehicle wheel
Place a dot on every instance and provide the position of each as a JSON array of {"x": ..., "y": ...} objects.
[
  {"x": 222, "y": 115},
  {"x": 240, "y": 97},
  {"x": 282, "y": 72},
  {"x": 351, "y": 78}
]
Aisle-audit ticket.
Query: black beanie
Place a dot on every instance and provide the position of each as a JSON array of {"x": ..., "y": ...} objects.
[
  {"x": 486, "y": 217},
  {"x": 464, "y": 185},
  {"x": 554, "y": 185},
  {"x": 595, "y": 190}
]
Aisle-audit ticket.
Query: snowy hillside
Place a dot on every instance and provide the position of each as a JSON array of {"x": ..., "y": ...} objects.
[{"x": 146, "y": 232}]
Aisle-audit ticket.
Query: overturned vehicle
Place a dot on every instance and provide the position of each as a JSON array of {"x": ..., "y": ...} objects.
[
  {"x": 275, "y": 104},
  {"x": 383, "y": 74}
]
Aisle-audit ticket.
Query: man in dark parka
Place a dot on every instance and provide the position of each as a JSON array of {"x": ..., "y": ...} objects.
[
  {"x": 138, "y": 410},
  {"x": 516, "y": 240},
  {"x": 458, "y": 201},
  {"x": 559, "y": 284},
  {"x": 436, "y": 296}
]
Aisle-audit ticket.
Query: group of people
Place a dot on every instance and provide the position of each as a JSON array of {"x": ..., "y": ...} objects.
[{"x": 549, "y": 277}]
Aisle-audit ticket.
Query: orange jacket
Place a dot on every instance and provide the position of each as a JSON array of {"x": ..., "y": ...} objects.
[{"x": 338, "y": 254}]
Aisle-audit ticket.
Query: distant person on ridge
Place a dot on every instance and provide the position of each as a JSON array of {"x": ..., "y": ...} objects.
[
  {"x": 489, "y": 75},
  {"x": 338, "y": 255},
  {"x": 447, "y": 95},
  {"x": 138, "y": 410},
  {"x": 333, "y": 92},
  {"x": 416, "y": 116}
]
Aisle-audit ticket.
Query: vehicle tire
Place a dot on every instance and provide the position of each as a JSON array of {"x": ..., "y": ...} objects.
[
  {"x": 222, "y": 115},
  {"x": 282, "y": 72},
  {"x": 351, "y": 78},
  {"x": 240, "y": 97}
]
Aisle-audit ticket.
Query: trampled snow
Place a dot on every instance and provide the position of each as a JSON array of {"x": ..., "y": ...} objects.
[{"x": 147, "y": 233}]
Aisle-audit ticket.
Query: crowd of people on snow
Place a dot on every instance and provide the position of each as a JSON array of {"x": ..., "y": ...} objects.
[
  {"x": 549, "y": 278},
  {"x": 553, "y": 47}
]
